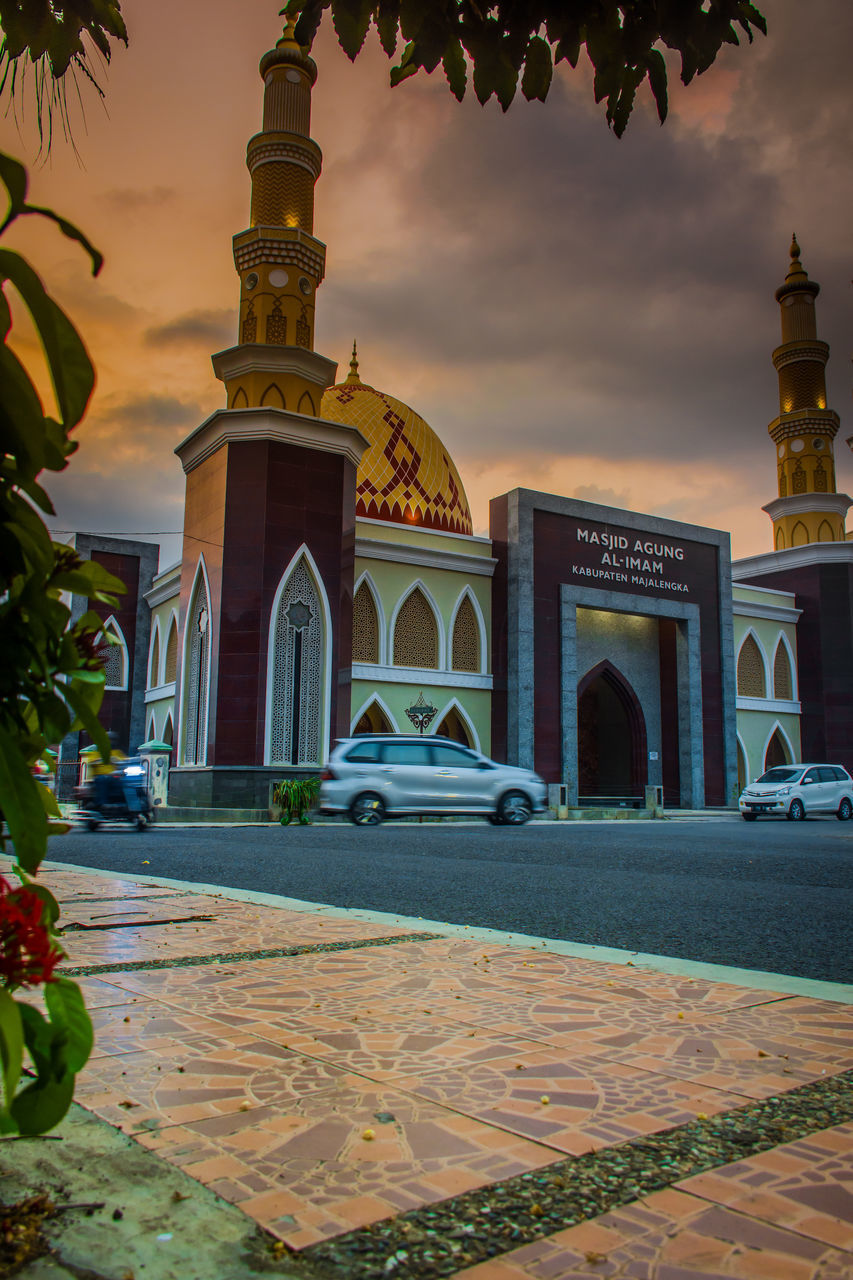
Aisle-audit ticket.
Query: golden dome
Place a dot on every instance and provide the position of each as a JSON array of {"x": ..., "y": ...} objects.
[{"x": 405, "y": 475}]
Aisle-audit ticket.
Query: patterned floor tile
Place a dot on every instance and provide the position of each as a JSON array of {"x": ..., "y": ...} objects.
[
  {"x": 208, "y": 1076},
  {"x": 670, "y": 1236},
  {"x": 572, "y": 1104},
  {"x": 310, "y": 1172},
  {"x": 806, "y": 1186},
  {"x": 141, "y": 1024}
]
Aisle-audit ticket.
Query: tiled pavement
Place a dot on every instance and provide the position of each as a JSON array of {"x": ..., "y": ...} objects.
[{"x": 330, "y": 1089}]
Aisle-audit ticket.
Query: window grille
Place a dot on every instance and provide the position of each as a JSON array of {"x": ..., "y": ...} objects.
[
  {"x": 466, "y": 638},
  {"x": 416, "y": 633},
  {"x": 198, "y": 661},
  {"x": 750, "y": 671},
  {"x": 297, "y": 678},
  {"x": 365, "y": 626},
  {"x": 154, "y": 664},
  {"x": 171, "y": 672},
  {"x": 783, "y": 684},
  {"x": 113, "y": 658}
]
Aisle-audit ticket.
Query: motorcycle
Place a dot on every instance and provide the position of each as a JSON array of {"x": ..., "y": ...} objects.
[{"x": 121, "y": 796}]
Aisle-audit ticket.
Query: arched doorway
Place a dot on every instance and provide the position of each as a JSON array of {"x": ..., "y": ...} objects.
[
  {"x": 612, "y": 760},
  {"x": 373, "y": 720},
  {"x": 453, "y": 726},
  {"x": 777, "y": 752}
]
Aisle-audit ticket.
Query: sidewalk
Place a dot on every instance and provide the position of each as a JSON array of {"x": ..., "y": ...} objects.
[{"x": 398, "y": 1099}]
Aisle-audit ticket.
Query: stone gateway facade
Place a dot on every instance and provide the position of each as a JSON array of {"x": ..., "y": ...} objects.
[{"x": 330, "y": 581}]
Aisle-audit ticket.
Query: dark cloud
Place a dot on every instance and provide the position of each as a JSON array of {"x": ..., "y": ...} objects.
[
  {"x": 616, "y": 297},
  {"x": 131, "y": 200},
  {"x": 208, "y": 329},
  {"x": 150, "y": 411}
]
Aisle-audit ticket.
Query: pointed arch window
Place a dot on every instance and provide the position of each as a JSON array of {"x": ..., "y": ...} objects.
[
  {"x": 154, "y": 660},
  {"x": 168, "y": 731},
  {"x": 112, "y": 651},
  {"x": 373, "y": 720},
  {"x": 365, "y": 626},
  {"x": 298, "y": 685},
  {"x": 783, "y": 681},
  {"x": 750, "y": 670},
  {"x": 197, "y": 676},
  {"x": 416, "y": 633},
  {"x": 170, "y": 673},
  {"x": 466, "y": 638},
  {"x": 777, "y": 752}
]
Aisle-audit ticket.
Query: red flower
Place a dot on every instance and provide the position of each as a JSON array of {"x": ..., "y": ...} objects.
[{"x": 28, "y": 953}]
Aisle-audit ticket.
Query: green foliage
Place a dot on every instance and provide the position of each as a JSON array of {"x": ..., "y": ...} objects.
[
  {"x": 297, "y": 797},
  {"x": 512, "y": 42},
  {"x": 51, "y": 38},
  {"x": 51, "y": 677}
]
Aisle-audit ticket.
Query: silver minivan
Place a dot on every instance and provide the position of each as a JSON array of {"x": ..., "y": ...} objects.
[
  {"x": 796, "y": 790},
  {"x": 381, "y": 775}
]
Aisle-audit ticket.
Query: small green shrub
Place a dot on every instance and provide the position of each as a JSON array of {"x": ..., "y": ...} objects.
[{"x": 297, "y": 797}]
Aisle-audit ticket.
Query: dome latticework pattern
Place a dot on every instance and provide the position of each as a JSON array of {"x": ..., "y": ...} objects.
[{"x": 406, "y": 476}]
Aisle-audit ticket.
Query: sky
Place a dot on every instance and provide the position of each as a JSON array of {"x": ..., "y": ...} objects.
[{"x": 569, "y": 311}]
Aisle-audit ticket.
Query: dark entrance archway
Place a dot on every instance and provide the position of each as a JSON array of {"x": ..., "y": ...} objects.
[{"x": 612, "y": 755}]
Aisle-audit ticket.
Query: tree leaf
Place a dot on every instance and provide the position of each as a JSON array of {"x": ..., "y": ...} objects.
[
  {"x": 70, "y": 367},
  {"x": 538, "y": 70},
  {"x": 21, "y": 804},
  {"x": 656, "y": 71},
  {"x": 455, "y": 68},
  {"x": 73, "y": 233},
  {"x": 43, "y": 1103},
  {"x": 11, "y": 1044},
  {"x": 351, "y": 20},
  {"x": 67, "y": 1010},
  {"x": 14, "y": 178}
]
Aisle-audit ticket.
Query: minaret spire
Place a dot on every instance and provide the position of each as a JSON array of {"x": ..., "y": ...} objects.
[
  {"x": 352, "y": 377},
  {"x": 278, "y": 259},
  {"x": 808, "y": 508}
]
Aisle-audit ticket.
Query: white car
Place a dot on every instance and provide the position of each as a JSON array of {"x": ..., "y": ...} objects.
[
  {"x": 378, "y": 775},
  {"x": 797, "y": 790}
]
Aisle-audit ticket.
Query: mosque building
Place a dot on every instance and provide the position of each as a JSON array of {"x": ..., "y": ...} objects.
[{"x": 330, "y": 582}]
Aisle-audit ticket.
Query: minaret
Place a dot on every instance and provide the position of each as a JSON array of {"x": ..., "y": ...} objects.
[
  {"x": 278, "y": 259},
  {"x": 808, "y": 508},
  {"x": 269, "y": 515}
]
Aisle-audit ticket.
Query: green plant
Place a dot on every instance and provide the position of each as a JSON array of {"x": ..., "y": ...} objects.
[
  {"x": 518, "y": 43},
  {"x": 51, "y": 680},
  {"x": 297, "y": 797}
]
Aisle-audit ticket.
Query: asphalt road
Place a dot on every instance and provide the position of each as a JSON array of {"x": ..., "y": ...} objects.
[{"x": 770, "y": 895}]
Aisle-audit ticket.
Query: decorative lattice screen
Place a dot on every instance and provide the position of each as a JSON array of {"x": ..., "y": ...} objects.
[
  {"x": 466, "y": 639},
  {"x": 297, "y": 692},
  {"x": 783, "y": 684},
  {"x": 171, "y": 671},
  {"x": 365, "y": 626},
  {"x": 198, "y": 664},
  {"x": 750, "y": 671},
  {"x": 113, "y": 658},
  {"x": 154, "y": 664},
  {"x": 416, "y": 633}
]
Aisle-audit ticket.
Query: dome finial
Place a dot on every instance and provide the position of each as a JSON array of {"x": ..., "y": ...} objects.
[
  {"x": 353, "y": 366},
  {"x": 795, "y": 248},
  {"x": 287, "y": 36}
]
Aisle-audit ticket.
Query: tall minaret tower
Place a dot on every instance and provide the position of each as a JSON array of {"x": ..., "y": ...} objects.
[
  {"x": 269, "y": 517},
  {"x": 279, "y": 261},
  {"x": 808, "y": 508}
]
